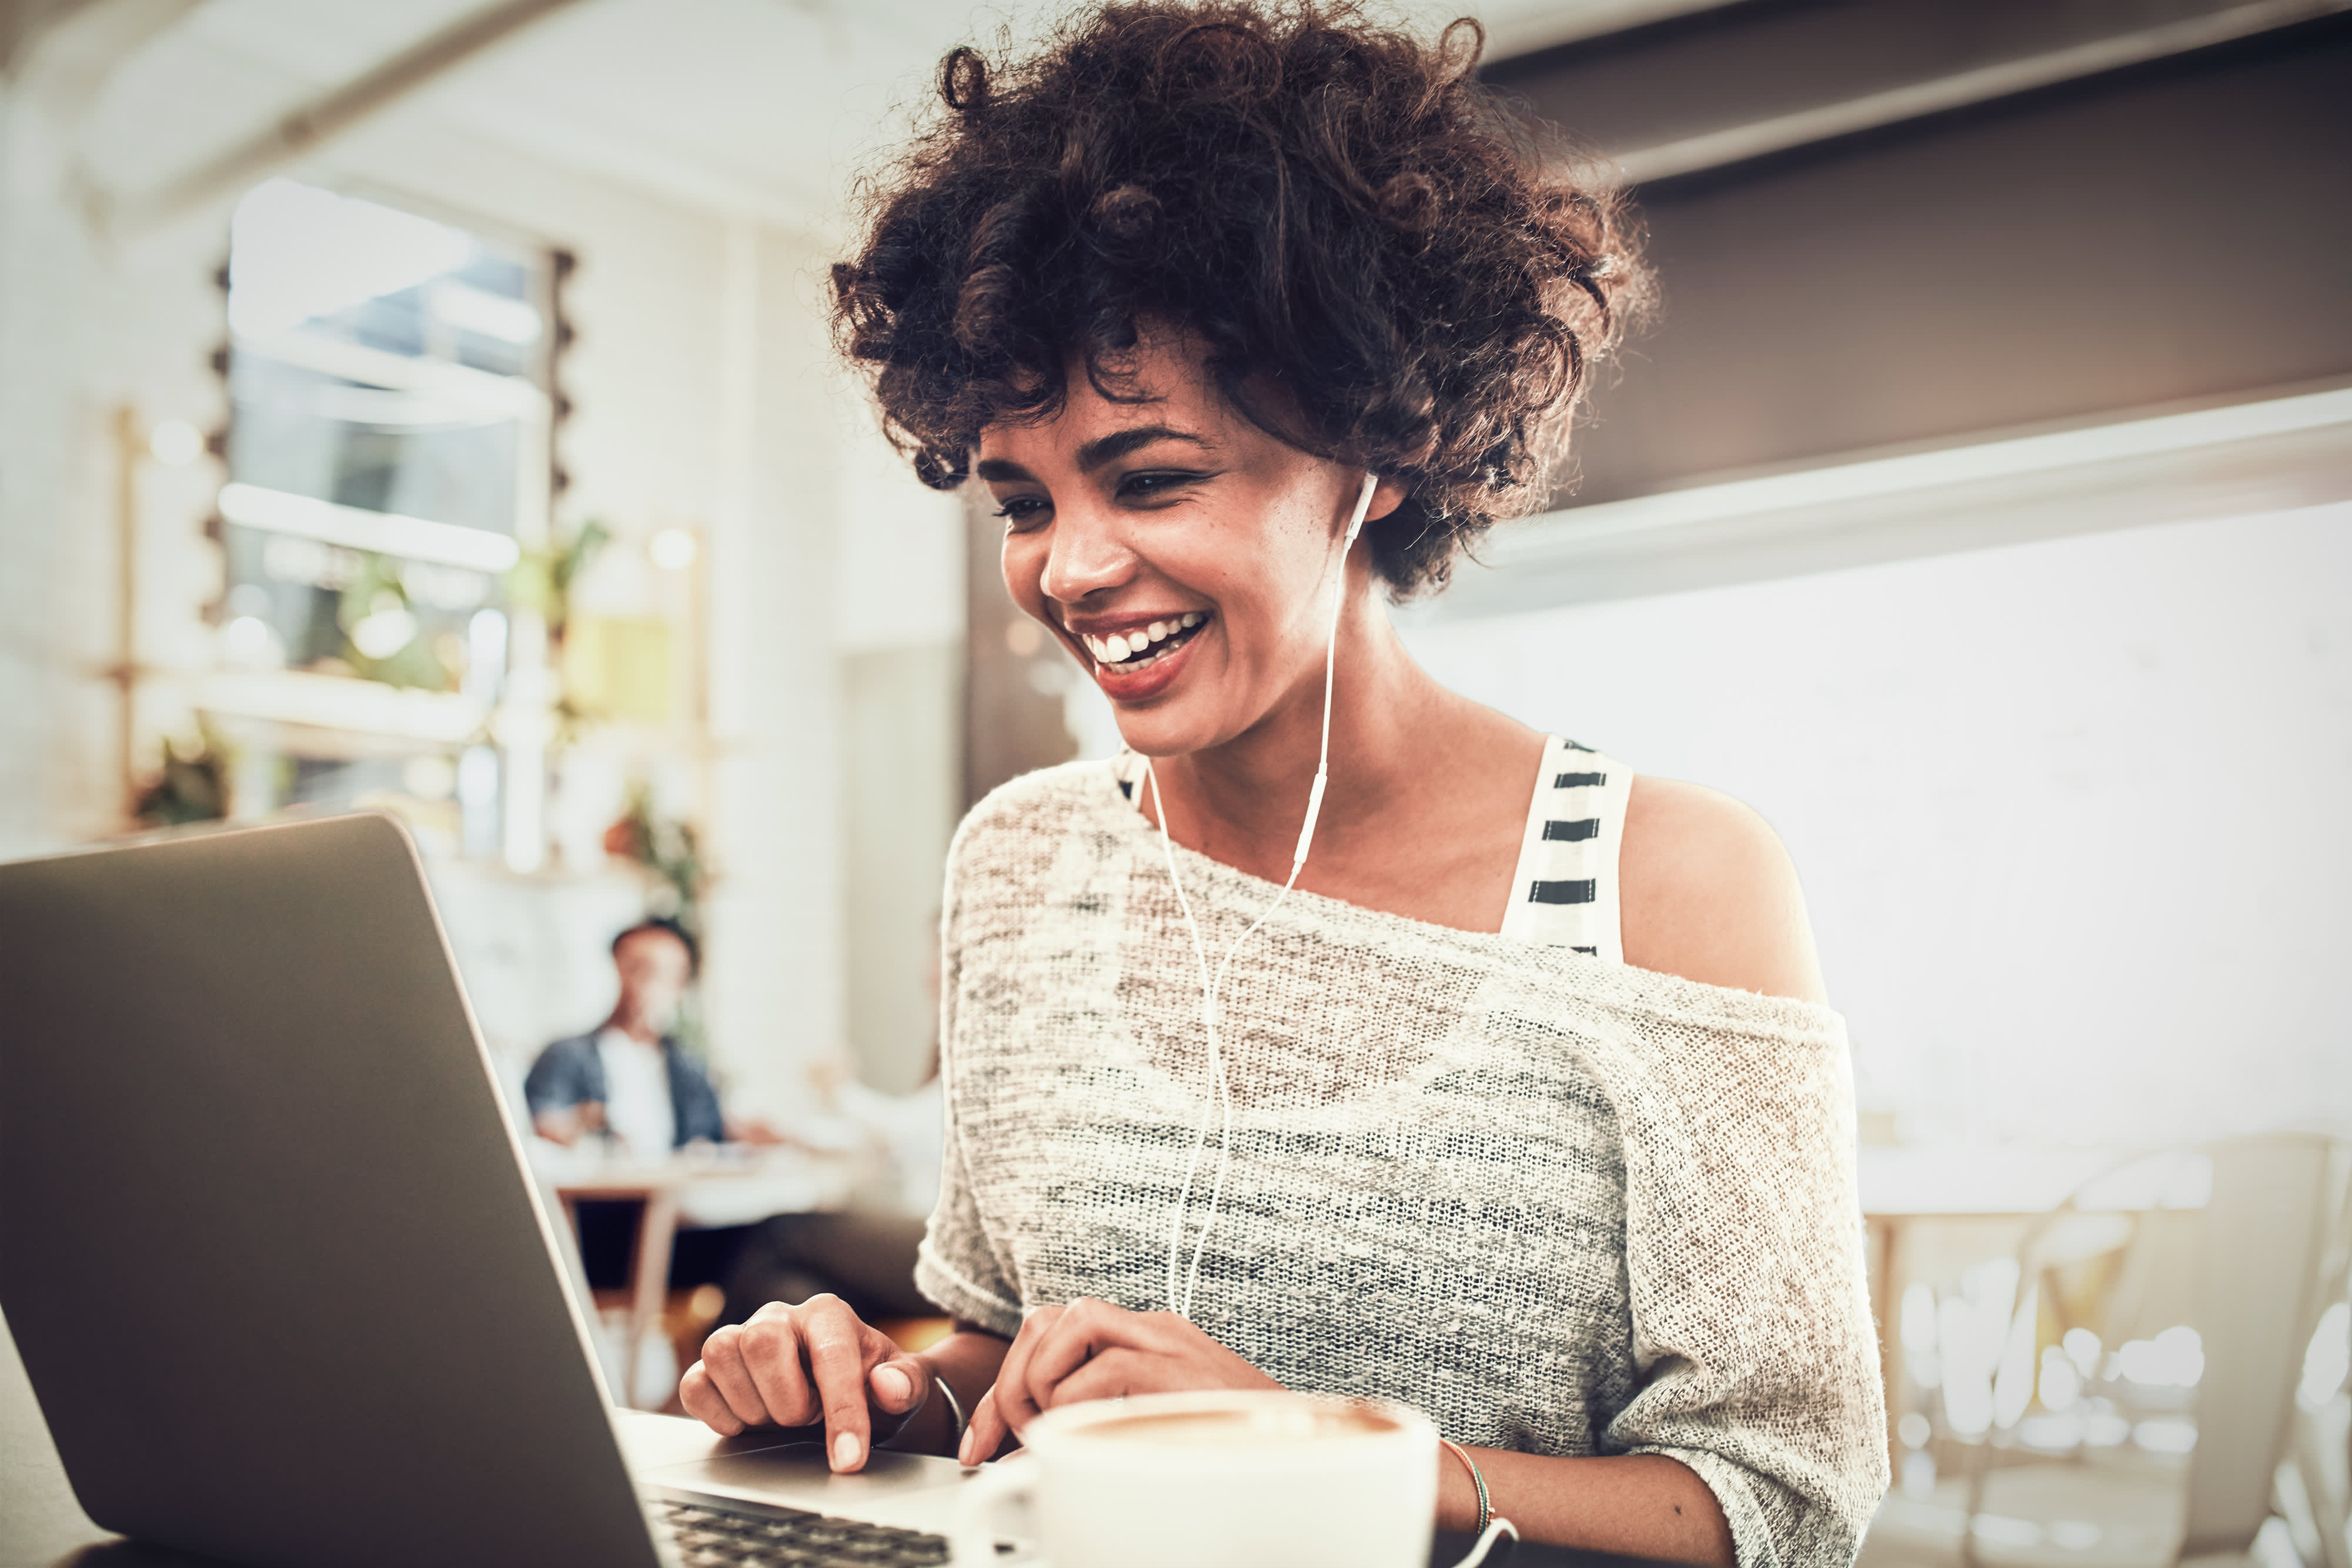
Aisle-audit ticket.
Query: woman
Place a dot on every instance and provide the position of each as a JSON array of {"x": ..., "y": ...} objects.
[{"x": 1521, "y": 1105}]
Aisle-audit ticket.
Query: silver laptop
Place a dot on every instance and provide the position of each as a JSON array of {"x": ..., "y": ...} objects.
[{"x": 273, "y": 1259}]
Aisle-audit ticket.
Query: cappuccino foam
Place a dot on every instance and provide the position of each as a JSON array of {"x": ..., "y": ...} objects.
[{"x": 1281, "y": 1427}]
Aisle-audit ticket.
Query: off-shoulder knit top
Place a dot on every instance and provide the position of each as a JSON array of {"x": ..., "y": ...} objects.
[{"x": 1564, "y": 1206}]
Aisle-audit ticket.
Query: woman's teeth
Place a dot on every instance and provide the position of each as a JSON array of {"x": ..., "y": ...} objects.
[{"x": 1121, "y": 647}]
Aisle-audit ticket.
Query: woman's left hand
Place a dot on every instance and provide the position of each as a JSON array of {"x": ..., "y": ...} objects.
[{"x": 1093, "y": 1350}]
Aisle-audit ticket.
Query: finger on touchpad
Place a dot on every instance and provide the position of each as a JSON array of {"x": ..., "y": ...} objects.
[{"x": 796, "y": 1475}]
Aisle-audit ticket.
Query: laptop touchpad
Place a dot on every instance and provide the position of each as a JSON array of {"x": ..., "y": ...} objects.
[{"x": 794, "y": 1474}]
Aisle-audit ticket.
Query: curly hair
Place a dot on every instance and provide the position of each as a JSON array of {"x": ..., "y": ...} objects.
[{"x": 1385, "y": 267}]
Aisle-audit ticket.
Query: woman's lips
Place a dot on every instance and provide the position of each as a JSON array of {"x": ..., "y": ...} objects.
[{"x": 1122, "y": 684}]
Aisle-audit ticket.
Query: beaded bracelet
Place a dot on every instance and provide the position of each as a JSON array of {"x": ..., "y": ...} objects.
[{"x": 1485, "y": 1511}]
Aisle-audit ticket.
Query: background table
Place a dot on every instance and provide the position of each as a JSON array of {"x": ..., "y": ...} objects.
[{"x": 697, "y": 1187}]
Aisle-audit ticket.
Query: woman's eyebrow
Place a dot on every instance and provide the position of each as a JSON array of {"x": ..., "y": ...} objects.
[
  {"x": 1119, "y": 443},
  {"x": 1094, "y": 453}
]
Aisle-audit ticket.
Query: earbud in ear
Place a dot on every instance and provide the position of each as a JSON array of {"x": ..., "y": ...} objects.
[{"x": 1364, "y": 505}]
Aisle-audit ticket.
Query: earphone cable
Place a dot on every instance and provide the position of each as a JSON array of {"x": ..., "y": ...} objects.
[
  {"x": 1212, "y": 986},
  {"x": 1211, "y": 989}
]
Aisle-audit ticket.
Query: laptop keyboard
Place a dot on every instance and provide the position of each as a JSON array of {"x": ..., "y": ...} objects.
[{"x": 709, "y": 1535}]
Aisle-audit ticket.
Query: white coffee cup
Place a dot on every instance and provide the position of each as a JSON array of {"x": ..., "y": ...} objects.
[{"x": 1243, "y": 1479}]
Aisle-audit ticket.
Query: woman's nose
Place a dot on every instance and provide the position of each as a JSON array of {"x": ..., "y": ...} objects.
[{"x": 1088, "y": 554}]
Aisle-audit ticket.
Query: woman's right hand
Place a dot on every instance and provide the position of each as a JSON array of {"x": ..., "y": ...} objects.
[{"x": 800, "y": 1366}]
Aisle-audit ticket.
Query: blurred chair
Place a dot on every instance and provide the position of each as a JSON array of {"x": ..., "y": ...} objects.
[{"x": 2187, "y": 1280}]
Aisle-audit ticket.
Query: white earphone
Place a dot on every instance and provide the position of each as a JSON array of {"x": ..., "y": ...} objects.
[{"x": 1180, "y": 1304}]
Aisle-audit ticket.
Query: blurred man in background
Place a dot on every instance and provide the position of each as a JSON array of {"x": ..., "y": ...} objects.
[
  {"x": 627, "y": 1081},
  {"x": 630, "y": 1083}
]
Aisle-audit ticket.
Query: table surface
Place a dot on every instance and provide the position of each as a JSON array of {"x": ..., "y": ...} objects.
[
  {"x": 1962, "y": 1180},
  {"x": 41, "y": 1525},
  {"x": 734, "y": 1186}
]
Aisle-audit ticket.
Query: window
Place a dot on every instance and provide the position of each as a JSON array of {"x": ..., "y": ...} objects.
[{"x": 389, "y": 462}]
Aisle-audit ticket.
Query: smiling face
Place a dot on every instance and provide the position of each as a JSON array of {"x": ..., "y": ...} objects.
[{"x": 1185, "y": 556}]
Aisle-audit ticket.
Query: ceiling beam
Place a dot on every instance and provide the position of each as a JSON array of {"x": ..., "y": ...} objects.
[
  {"x": 22, "y": 23},
  {"x": 2290, "y": 450},
  {"x": 60, "y": 53},
  {"x": 1510, "y": 35},
  {"x": 311, "y": 126},
  {"x": 1916, "y": 101}
]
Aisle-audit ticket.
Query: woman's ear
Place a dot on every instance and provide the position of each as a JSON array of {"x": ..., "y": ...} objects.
[{"x": 1386, "y": 497}]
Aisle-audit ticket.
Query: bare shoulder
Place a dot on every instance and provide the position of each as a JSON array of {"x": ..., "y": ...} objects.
[{"x": 1709, "y": 893}]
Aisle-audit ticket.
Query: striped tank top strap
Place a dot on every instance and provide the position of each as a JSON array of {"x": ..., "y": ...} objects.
[
  {"x": 1564, "y": 894},
  {"x": 1127, "y": 767}
]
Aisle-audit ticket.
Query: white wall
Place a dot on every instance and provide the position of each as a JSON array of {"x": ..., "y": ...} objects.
[
  {"x": 86, "y": 331},
  {"x": 899, "y": 572},
  {"x": 2070, "y": 815}
]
